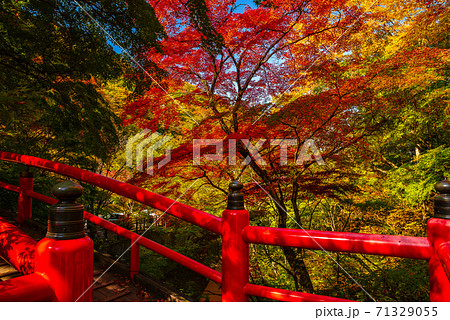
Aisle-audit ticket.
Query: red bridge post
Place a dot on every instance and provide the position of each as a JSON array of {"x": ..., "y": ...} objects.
[
  {"x": 235, "y": 265},
  {"x": 438, "y": 233},
  {"x": 134, "y": 258},
  {"x": 25, "y": 202},
  {"x": 65, "y": 257}
]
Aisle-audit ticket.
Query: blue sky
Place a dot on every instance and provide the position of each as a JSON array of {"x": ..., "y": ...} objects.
[{"x": 244, "y": 2}]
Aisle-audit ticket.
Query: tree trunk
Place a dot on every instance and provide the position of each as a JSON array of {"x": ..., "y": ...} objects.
[
  {"x": 293, "y": 256},
  {"x": 300, "y": 272}
]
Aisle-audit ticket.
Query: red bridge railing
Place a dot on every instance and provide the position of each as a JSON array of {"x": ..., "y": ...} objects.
[{"x": 237, "y": 234}]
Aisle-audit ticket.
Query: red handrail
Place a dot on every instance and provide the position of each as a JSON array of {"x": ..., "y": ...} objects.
[
  {"x": 202, "y": 219},
  {"x": 9, "y": 187},
  {"x": 287, "y": 295},
  {"x": 377, "y": 244},
  {"x": 29, "y": 288},
  {"x": 147, "y": 243},
  {"x": 17, "y": 247},
  {"x": 237, "y": 234},
  {"x": 41, "y": 197}
]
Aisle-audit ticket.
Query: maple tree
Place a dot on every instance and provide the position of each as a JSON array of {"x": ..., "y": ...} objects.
[
  {"x": 284, "y": 70},
  {"x": 365, "y": 81}
]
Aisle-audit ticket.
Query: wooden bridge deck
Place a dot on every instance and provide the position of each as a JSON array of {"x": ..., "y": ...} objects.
[
  {"x": 110, "y": 286},
  {"x": 7, "y": 271}
]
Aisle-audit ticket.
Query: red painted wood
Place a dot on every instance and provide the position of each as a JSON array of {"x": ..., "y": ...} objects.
[
  {"x": 398, "y": 246},
  {"x": 443, "y": 253},
  {"x": 68, "y": 265},
  {"x": 134, "y": 260},
  {"x": 235, "y": 265},
  {"x": 287, "y": 295},
  {"x": 27, "y": 288},
  {"x": 168, "y": 253},
  {"x": 236, "y": 236},
  {"x": 17, "y": 247},
  {"x": 177, "y": 209},
  {"x": 41, "y": 197},
  {"x": 156, "y": 247},
  {"x": 25, "y": 202},
  {"x": 438, "y": 233},
  {"x": 9, "y": 187}
]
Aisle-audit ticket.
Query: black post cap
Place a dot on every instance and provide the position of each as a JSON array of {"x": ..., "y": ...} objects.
[
  {"x": 442, "y": 200},
  {"x": 235, "y": 197},
  {"x": 66, "y": 218}
]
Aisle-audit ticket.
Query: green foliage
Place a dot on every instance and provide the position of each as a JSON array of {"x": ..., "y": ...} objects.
[
  {"x": 414, "y": 181},
  {"x": 384, "y": 278},
  {"x": 50, "y": 103},
  {"x": 61, "y": 83}
]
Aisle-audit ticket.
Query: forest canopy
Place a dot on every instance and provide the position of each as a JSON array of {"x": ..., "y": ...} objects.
[{"x": 362, "y": 85}]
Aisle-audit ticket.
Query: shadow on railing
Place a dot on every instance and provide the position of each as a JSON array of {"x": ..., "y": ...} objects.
[{"x": 237, "y": 234}]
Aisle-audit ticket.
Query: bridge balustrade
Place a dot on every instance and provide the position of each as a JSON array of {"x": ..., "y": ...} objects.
[{"x": 236, "y": 234}]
